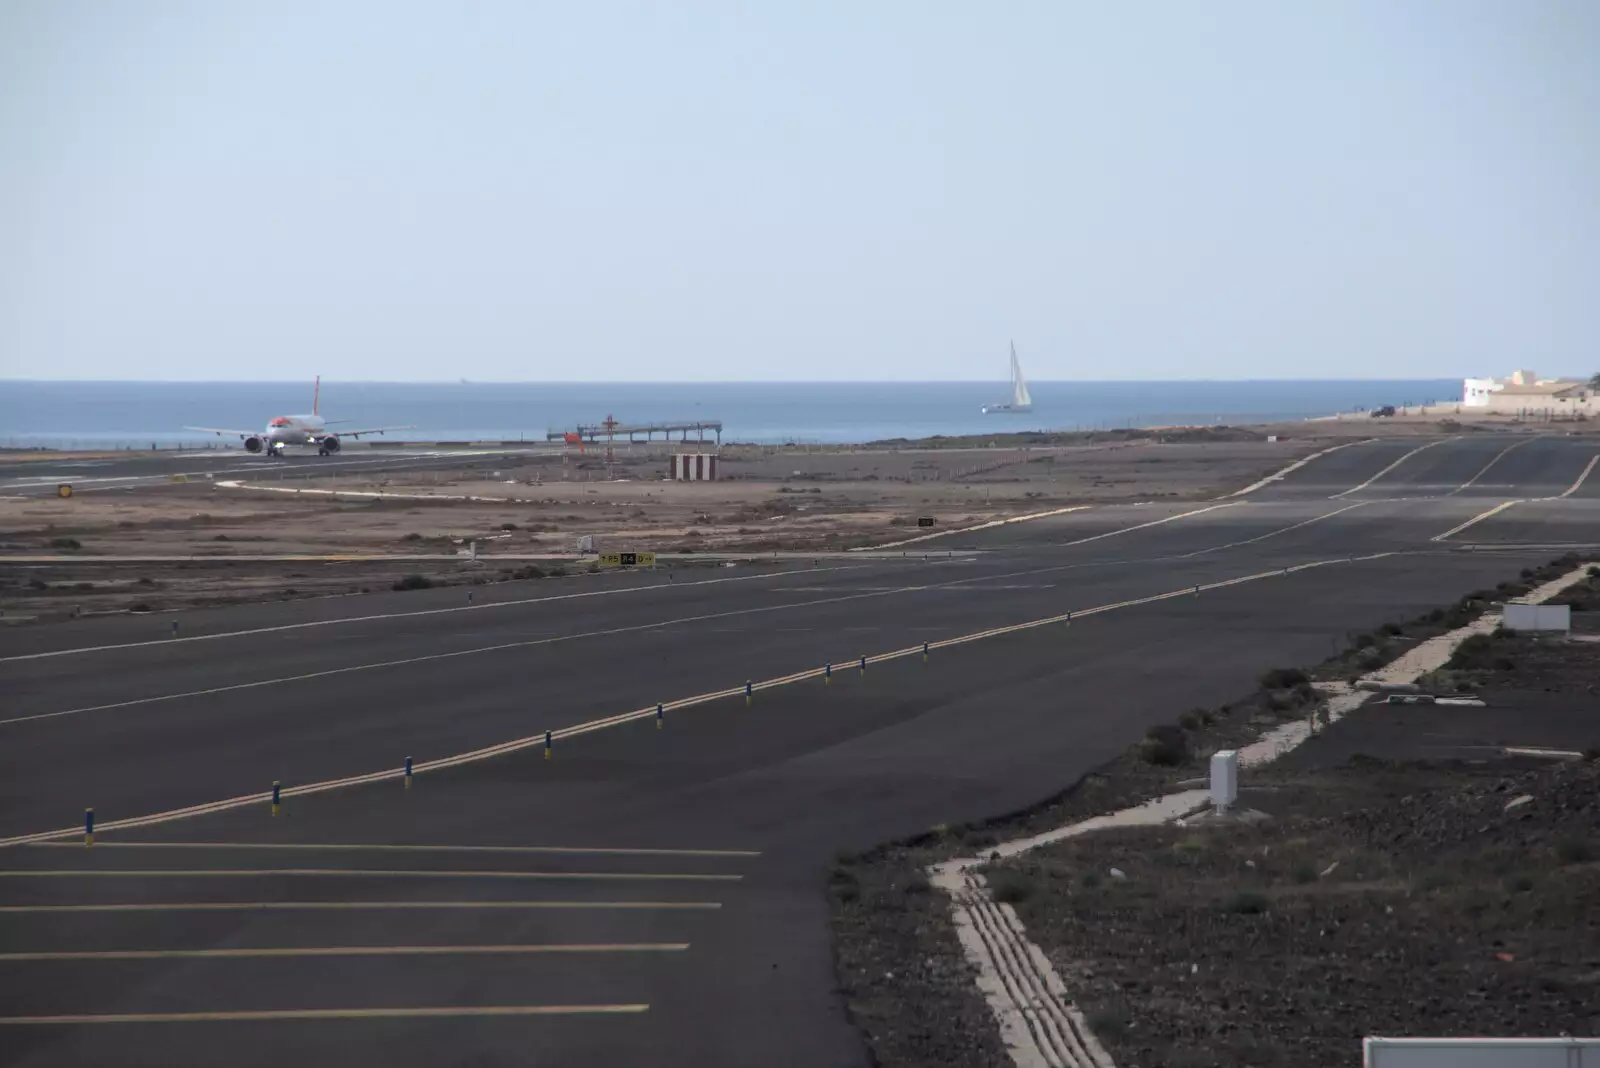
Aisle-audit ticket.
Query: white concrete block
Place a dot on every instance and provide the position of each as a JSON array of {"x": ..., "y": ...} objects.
[{"x": 1224, "y": 778}]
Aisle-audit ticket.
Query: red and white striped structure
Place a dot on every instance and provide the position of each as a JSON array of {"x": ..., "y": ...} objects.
[{"x": 694, "y": 467}]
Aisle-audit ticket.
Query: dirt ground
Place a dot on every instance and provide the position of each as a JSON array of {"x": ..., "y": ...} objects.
[
  {"x": 770, "y": 498},
  {"x": 540, "y": 503},
  {"x": 1379, "y": 898}
]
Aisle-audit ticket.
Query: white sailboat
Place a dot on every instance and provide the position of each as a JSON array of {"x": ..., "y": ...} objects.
[{"x": 1021, "y": 401}]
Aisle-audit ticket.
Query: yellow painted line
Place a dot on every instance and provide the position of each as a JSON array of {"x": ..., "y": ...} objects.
[
  {"x": 1570, "y": 490},
  {"x": 1280, "y": 530},
  {"x": 974, "y": 529},
  {"x": 353, "y": 951},
  {"x": 1278, "y": 475},
  {"x": 406, "y": 873},
  {"x": 331, "y": 1014},
  {"x": 352, "y": 906},
  {"x": 1392, "y": 466},
  {"x": 1152, "y": 523},
  {"x": 552, "y": 599},
  {"x": 533, "y": 740},
  {"x": 1491, "y": 463},
  {"x": 1480, "y": 517},
  {"x": 600, "y": 851}
]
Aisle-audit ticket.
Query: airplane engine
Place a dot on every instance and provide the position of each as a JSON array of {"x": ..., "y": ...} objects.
[
  {"x": 330, "y": 444},
  {"x": 252, "y": 444}
]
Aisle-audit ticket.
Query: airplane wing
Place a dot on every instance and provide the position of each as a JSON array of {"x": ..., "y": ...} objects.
[
  {"x": 221, "y": 432},
  {"x": 341, "y": 432}
]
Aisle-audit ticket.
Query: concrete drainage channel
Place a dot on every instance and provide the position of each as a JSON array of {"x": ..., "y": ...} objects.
[{"x": 1038, "y": 1023}]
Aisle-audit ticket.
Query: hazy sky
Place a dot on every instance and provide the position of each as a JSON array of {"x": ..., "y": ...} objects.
[{"x": 863, "y": 189}]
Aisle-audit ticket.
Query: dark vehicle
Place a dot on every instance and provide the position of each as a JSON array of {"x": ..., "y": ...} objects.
[{"x": 1386, "y": 410}]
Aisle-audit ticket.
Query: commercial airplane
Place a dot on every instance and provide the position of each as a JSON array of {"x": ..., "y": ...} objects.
[{"x": 285, "y": 430}]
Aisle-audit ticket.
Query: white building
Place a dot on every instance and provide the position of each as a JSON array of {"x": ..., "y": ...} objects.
[{"x": 1526, "y": 392}]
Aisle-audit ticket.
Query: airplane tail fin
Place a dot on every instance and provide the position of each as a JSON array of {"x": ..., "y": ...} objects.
[{"x": 316, "y": 396}]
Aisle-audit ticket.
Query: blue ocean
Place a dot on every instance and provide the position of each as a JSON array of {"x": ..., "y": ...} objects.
[{"x": 139, "y": 414}]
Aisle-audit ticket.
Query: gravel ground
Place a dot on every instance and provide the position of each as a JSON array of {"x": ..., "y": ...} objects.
[{"x": 1396, "y": 899}]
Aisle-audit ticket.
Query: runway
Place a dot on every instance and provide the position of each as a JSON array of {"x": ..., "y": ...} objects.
[
  {"x": 706, "y": 830},
  {"x": 23, "y": 477}
]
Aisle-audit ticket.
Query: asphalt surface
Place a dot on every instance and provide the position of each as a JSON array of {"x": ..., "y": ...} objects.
[
  {"x": 23, "y": 477},
  {"x": 730, "y": 965}
]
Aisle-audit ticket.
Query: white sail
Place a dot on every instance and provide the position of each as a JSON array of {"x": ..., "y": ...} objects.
[
  {"x": 1021, "y": 401},
  {"x": 1019, "y": 385}
]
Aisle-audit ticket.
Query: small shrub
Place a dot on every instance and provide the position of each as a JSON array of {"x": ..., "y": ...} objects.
[
  {"x": 1245, "y": 903},
  {"x": 83, "y": 585},
  {"x": 1304, "y": 873},
  {"x": 1090, "y": 880},
  {"x": 1392, "y": 629},
  {"x": 1165, "y": 745},
  {"x": 219, "y": 537},
  {"x": 1283, "y": 679},
  {"x": 414, "y": 582},
  {"x": 593, "y": 569},
  {"x": 1435, "y": 615},
  {"x": 1594, "y": 571},
  {"x": 1435, "y": 879},
  {"x": 65, "y": 543},
  {"x": 1369, "y": 659},
  {"x": 917, "y": 883},
  {"x": 1190, "y": 720},
  {"x": 1009, "y": 887},
  {"x": 139, "y": 606},
  {"x": 147, "y": 581},
  {"x": 1474, "y": 652},
  {"x": 558, "y": 572},
  {"x": 1573, "y": 850},
  {"x": 1108, "y": 1023},
  {"x": 508, "y": 526},
  {"x": 37, "y": 583},
  {"x": 1192, "y": 846},
  {"x": 1519, "y": 883}
]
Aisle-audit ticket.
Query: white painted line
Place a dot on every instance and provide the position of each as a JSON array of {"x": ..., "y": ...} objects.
[
  {"x": 383, "y": 848},
  {"x": 1547, "y": 754},
  {"x": 1152, "y": 523},
  {"x": 1392, "y": 466},
  {"x": 974, "y": 529},
  {"x": 1480, "y": 517},
  {"x": 605, "y": 723},
  {"x": 356, "y": 873},
  {"x": 381, "y": 495},
  {"x": 1278, "y": 475},
  {"x": 1570, "y": 490},
  {"x": 353, "y": 951},
  {"x": 1281, "y": 530},
  {"x": 319, "y": 906},
  {"x": 1491, "y": 463},
  {"x": 331, "y": 1014},
  {"x": 415, "y": 613}
]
